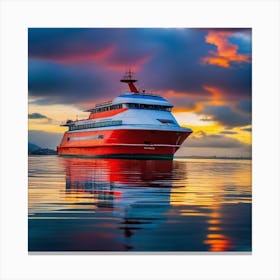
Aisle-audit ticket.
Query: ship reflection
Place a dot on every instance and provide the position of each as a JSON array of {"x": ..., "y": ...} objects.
[
  {"x": 136, "y": 192},
  {"x": 84, "y": 174}
]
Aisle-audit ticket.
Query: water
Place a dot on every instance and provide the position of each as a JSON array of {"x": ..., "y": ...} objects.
[{"x": 192, "y": 205}]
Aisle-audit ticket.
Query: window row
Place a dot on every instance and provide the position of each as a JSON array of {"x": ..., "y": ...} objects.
[
  {"x": 132, "y": 106},
  {"x": 94, "y": 125},
  {"x": 107, "y": 108},
  {"x": 147, "y": 106},
  {"x": 85, "y": 138}
]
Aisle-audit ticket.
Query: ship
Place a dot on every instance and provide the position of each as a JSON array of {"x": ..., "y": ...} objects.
[{"x": 135, "y": 124}]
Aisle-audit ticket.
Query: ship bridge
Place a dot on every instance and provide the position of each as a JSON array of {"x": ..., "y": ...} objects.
[{"x": 138, "y": 98}]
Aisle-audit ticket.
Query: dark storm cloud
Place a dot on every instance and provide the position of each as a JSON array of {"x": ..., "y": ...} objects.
[
  {"x": 124, "y": 46},
  {"x": 54, "y": 83},
  {"x": 54, "y": 43},
  {"x": 226, "y": 116},
  {"x": 229, "y": 30},
  {"x": 74, "y": 65},
  {"x": 245, "y": 106},
  {"x": 37, "y": 116},
  {"x": 249, "y": 129},
  {"x": 214, "y": 141},
  {"x": 228, "y": 132}
]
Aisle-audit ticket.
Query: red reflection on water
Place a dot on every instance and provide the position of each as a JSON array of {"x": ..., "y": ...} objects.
[{"x": 122, "y": 171}]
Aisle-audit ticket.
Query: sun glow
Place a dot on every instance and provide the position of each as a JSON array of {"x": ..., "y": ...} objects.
[
  {"x": 55, "y": 115},
  {"x": 191, "y": 119}
]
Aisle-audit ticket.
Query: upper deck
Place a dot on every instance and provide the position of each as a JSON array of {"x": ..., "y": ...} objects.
[
  {"x": 141, "y": 98},
  {"x": 133, "y": 100}
]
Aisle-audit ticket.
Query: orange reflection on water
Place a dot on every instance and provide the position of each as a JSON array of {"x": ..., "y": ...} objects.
[
  {"x": 215, "y": 215},
  {"x": 213, "y": 222},
  {"x": 216, "y": 239},
  {"x": 218, "y": 244},
  {"x": 214, "y": 236},
  {"x": 214, "y": 228},
  {"x": 219, "y": 182}
]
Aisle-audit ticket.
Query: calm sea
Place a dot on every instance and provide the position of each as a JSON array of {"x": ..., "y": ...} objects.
[{"x": 192, "y": 205}]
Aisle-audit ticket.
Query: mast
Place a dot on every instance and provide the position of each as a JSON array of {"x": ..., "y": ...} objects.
[{"x": 128, "y": 79}]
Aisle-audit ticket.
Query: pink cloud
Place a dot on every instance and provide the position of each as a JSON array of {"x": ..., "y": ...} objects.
[
  {"x": 86, "y": 57},
  {"x": 134, "y": 64}
]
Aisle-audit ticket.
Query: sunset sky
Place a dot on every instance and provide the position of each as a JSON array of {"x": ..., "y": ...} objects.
[{"x": 205, "y": 73}]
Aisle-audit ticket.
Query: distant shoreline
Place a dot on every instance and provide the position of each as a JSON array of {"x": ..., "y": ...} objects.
[
  {"x": 176, "y": 157},
  {"x": 211, "y": 157}
]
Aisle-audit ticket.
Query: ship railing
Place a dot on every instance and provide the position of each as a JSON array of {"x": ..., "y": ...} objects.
[
  {"x": 104, "y": 103},
  {"x": 148, "y": 93},
  {"x": 143, "y": 92}
]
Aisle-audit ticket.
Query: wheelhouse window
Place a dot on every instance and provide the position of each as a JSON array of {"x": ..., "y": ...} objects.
[
  {"x": 107, "y": 108},
  {"x": 147, "y": 106},
  {"x": 164, "y": 121}
]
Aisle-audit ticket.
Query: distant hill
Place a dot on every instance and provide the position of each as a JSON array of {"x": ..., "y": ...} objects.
[{"x": 34, "y": 149}]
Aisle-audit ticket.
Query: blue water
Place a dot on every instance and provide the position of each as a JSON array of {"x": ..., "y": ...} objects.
[{"x": 191, "y": 205}]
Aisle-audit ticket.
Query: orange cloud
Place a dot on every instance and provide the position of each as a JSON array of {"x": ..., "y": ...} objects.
[
  {"x": 226, "y": 51},
  {"x": 216, "y": 96}
]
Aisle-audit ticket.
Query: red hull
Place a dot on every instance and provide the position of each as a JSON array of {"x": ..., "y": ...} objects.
[{"x": 122, "y": 143}]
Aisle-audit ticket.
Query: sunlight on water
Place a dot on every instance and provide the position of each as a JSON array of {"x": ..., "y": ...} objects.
[{"x": 78, "y": 204}]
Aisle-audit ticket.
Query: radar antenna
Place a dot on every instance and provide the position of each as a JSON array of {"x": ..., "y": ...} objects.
[{"x": 128, "y": 79}]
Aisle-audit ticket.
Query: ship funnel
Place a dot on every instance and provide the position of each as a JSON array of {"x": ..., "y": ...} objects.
[{"x": 130, "y": 80}]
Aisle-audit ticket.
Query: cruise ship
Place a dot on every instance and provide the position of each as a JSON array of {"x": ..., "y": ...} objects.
[{"x": 133, "y": 125}]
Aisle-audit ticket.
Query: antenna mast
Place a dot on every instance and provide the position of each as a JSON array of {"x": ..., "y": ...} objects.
[{"x": 128, "y": 79}]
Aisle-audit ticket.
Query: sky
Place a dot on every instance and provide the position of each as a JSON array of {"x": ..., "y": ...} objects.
[{"x": 206, "y": 73}]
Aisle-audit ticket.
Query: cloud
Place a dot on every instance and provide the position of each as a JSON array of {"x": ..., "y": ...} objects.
[
  {"x": 214, "y": 141},
  {"x": 226, "y": 116},
  {"x": 201, "y": 144},
  {"x": 111, "y": 47},
  {"x": 249, "y": 129},
  {"x": 66, "y": 43},
  {"x": 245, "y": 106},
  {"x": 53, "y": 83},
  {"x": 226, "y": 52},
  {"x": 37, "y": 116},
  {"x": 206, "y": 119},
  {"x": 229, "y": 132},
  {"x": 84, "y": 57}
]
